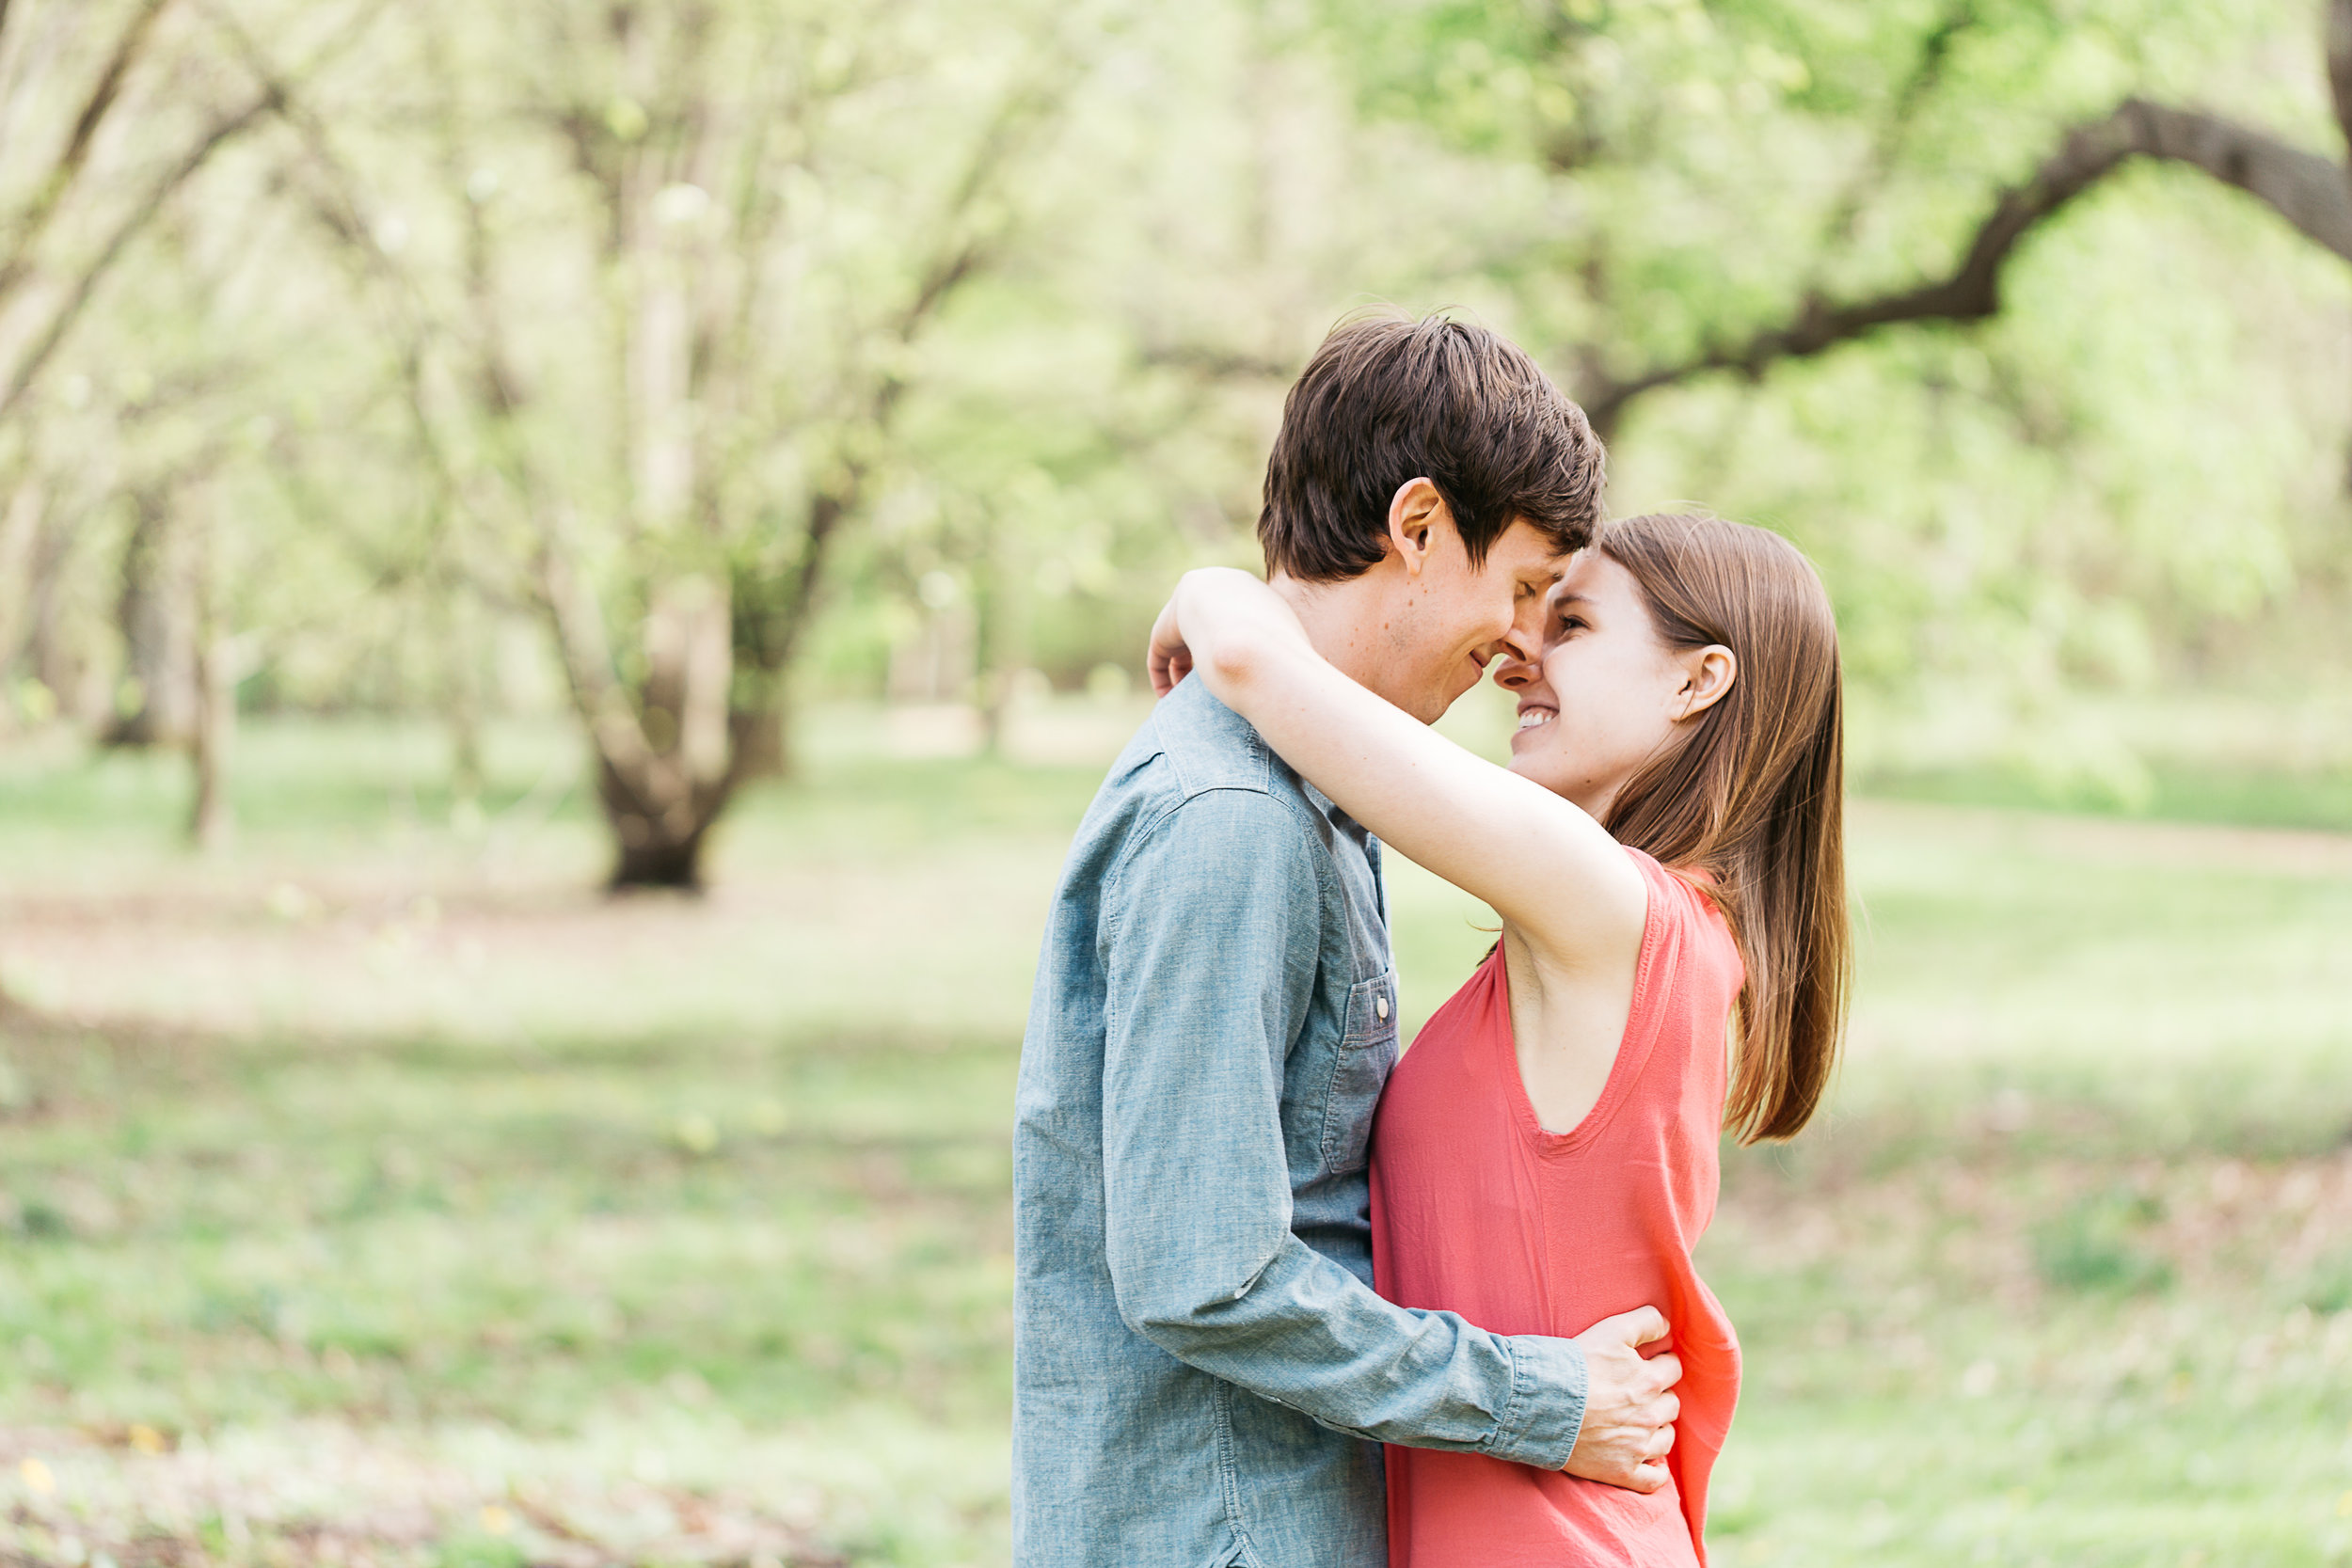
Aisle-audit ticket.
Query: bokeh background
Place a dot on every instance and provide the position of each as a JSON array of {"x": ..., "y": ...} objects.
[{"x": 566, "y": 570}]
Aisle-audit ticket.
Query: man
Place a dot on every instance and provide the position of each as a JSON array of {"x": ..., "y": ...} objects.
[{"x": 1201, "y": 1367}]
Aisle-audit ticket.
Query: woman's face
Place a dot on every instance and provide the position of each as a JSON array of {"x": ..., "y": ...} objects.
[{"x": 1606, "y": 695}]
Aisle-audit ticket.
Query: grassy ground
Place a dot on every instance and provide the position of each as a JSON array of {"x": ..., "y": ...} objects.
[{"x": 379, "y": 1195}]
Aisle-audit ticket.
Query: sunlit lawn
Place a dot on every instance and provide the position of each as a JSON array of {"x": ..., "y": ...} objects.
[{"x": 380, "y": 1194}]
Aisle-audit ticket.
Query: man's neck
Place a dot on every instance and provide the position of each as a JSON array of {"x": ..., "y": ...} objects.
[{"x": 1343, "y": 621}]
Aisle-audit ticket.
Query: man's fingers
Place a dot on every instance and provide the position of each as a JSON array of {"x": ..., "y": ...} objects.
[
  {"x": 1641, "y": 1326},
  {"x": 1632, "y": 1408}
]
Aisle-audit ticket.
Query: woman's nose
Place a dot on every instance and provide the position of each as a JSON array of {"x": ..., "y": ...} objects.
[{"x": 1512, "y": 672}]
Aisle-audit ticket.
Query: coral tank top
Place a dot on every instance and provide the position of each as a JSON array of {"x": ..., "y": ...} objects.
[{"x": 1477, "y": 1209}]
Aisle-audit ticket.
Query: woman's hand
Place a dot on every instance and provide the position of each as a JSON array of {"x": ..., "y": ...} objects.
[
  {"x": 1167, "y": 659},
  {"x": 1225, "y": 619}
]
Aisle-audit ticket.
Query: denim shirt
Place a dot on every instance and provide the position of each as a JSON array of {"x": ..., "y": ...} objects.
[{"x": 1201, "y": 1368}]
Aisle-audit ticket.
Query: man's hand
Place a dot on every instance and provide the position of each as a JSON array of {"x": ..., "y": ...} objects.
[{"x": 1629, "y": 1403}]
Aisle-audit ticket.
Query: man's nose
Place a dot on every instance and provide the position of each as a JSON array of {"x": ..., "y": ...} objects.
[
  {"x": 1524, "y": 642},
  {"x": 1512, "y": 670},
  {"x": 1531, "y": 618}
]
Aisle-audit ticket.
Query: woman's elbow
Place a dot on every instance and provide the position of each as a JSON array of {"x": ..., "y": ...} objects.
[{"x": 1236, "y": 662}]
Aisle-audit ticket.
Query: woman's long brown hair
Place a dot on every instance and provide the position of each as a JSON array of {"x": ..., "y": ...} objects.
[{"x": 1755, "y": 796}]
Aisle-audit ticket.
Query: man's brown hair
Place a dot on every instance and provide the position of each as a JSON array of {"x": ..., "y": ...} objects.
[{"x": 1389, "y": 399}]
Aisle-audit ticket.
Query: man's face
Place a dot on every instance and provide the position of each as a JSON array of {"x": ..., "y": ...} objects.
[{"x": 1455, "y": 618}]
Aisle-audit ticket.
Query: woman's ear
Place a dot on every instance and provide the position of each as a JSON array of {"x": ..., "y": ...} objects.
[
  {"x": 1707, "y": 674},
  {"x": 1414, "y": 513}
]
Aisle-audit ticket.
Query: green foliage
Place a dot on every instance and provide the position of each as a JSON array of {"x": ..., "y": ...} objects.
[{"x": 2145, "y": 444}]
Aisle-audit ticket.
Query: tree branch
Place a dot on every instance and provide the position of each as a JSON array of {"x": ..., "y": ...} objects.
[
  {"x": 51, "y": 192},
  {"x": 961, "y": 252},
  {"x": 1926, "y": 73},
  {"x": 2340, "y": 63},
  {"x": 272, "y": 99},
  {"x": 142, "y": 212},
  {"x": 2313, "y": 193}
]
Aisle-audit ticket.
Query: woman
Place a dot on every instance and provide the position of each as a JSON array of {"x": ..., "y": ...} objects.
[{"x": 1665, "y": 853}]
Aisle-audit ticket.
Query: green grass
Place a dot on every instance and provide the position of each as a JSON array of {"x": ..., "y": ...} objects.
[
  {"x": 2168, "y": 791},
  {"x": 439, "y": 1177}
]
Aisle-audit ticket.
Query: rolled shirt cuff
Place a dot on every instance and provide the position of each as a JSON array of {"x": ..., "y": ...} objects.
[{"x": 1548, "y": 1383}]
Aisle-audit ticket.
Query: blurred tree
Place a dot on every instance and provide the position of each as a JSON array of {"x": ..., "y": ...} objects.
[
  {"x": 76, "y": 188},
  {"x": 657, "y": 273},
  {"x": 670, "y": 322},
  {"x": 108, "y": 114}
]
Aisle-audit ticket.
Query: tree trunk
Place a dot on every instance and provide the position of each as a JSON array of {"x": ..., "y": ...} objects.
[
  {"x": 211, "y": 821},
  {"x": 462, "y": 707},
  {"x": 1004, "y": 630},
  {"x": 46, "y": 649},
  {"x": 677, "y": 774},
  {"x": 19, "y": 533},
  {"x": 675, "y": 867},
  {"x": 654, "y": 850},
  {"x": 157, "y": 701},
  {"x": 761, "y": 720},
  {"x": 763, "y": 743}
]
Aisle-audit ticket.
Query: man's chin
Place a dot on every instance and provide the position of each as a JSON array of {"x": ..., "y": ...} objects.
[
  {"x": 1430, "y": 710},
  {"x": 1438, "y": 706}
]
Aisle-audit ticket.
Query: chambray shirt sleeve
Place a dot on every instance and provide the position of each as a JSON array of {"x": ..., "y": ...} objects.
[{"x": 1210, "y": 944}]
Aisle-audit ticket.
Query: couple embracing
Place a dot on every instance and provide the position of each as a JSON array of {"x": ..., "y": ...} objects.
[{"x": 1283, "y": 1300}]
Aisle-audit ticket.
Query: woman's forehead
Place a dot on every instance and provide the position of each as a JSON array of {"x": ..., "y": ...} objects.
[{"x": 1593, "y": 577}]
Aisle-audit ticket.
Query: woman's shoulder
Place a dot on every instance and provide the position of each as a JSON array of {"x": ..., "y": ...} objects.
[{"x": 1685, "y": 898}]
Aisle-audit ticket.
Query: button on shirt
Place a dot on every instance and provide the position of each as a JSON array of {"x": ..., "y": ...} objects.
[{"x": 1201, "y": 1366}]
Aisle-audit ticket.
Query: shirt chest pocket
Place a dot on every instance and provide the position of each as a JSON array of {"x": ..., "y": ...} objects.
[{"x": 1367, "y": 1054}]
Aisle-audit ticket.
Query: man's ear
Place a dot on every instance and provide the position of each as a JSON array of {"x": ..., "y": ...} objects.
[
  {"x": 1707, "y": 674},
  {"x": 1416, "y": 512}
]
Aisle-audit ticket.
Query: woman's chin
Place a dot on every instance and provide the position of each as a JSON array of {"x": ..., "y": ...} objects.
[
  {"x": 1539, "y": 765},
  {"x": 1529, "y": 762}
]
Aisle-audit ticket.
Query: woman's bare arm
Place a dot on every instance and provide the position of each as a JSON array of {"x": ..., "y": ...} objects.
[{"x": 1543, "y": 865}]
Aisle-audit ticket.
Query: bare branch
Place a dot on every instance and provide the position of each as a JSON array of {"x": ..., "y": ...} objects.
[
  {"x": 2308, "y": 191},
  {"x": 960, "y": 254},
  {"x": 569, "y": 603},
  {"x": 34, "y": 221},
  {"x": 2340, "y": 63},
  {"x": 142, "y": 212},
  {"x": 588, "y": 669},
  {"x": 271, "y": 99},
  {"x": 1926, "y": 72}
]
